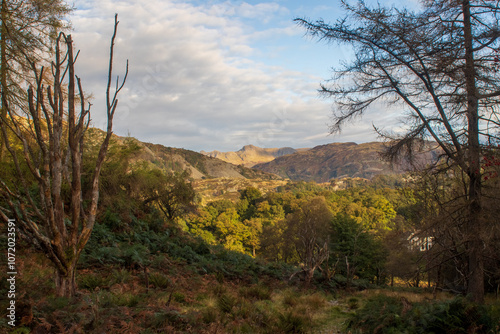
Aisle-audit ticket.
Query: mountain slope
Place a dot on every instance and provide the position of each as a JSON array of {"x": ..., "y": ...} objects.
[
  {"x": 337, "y": 160},
  {"x": 157, "y": 156},
  {"x": 212, "y": 178},
  {"x": 250, "y": 155},
  {"x": 201, "y": 166}
]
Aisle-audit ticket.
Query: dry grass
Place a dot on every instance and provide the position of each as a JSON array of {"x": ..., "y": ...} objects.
[
  {"x": 411, "y": 296},
  {"x": 192, "y": 303}
]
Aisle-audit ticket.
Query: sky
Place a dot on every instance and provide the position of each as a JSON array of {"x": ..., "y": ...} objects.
[{"x": 216, "y": 75}]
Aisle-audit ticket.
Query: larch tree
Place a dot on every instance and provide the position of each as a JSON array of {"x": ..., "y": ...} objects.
[
  {"x": 53, "y": 210},
  {"x": 439, "y": 63}
]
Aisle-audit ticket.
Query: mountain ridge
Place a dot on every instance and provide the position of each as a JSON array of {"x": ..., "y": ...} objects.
[
  {"x": 200, "y": 166},
  {"x": 338, "y": 160},
  {"x": 322, "y": 163},
  {"x": 250, "y": 155}
]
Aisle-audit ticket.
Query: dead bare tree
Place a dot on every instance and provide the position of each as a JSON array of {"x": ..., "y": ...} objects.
[{"x": 46, "y": 148}]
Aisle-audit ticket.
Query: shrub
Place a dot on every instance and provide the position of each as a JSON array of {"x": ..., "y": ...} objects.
[
  {"x": 314, "y": 301},
  {"x": 245, "y": 309},
  {"x": 111, "y": 220},
  {"x": 121, "y": 276},
  {"x": 455, "y": 316},
  {"x": 353, "y": 303},
  {"x": 102, "y": 255},
  {"x": 290, "y": 299},
  {"x": 110, "y": 300},
  {"x": 225, "y": 303},
  {"x": 159, "y": 280},
  {"x": 219, "y": 289},
  {"x": 291, "y": 322},
  {"x": 179, "y": 297},
  {"x": 93, "y": 281},
  {"x": 209, "y": 315},
  {"x": 264, "y": 317},
  {"x": 256, "y": 292},
  {"x": 169, "y": 317},
  {"x": 134, "y": 255},
  {"x": 56, "y": 303},
  {"x": 384, "y": 314},
  {"x": 160, "y": 261},
  {"x": 380, "y": 312}
]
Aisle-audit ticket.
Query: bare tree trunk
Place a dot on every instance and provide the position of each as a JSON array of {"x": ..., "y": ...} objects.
[
  {"x": 475, "y": 284},
  {"x": 309, "y": 276},
  {"x": 66, "y": 282},
  {"x": 348, "y": 271},
  {"x": 3, "y": 71},
  {"x": 438, "y": 281}
]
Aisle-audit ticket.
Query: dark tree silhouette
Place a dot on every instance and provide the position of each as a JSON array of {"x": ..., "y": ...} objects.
[{"x": 440, "y": 64}]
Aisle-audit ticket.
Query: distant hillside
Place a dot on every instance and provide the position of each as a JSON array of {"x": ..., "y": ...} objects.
[
  {"x": 178, "y": 159},
  {"x": 251, "y": 155},
  {"x": 337, "y": 160},
  {"x": 201, "y": 166}
]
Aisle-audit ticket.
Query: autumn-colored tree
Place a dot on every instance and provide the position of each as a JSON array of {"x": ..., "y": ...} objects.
[{"x": 254, "y": 228}]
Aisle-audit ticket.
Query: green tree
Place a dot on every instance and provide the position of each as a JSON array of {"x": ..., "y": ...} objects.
[
  {"x": 402, "y": 260},
  {"x": 308, "y": 230},
  {"x": 251, "y": 194},
  {"x": 221, "y": 205},
  {"x": 202, "y": 224},
  {"x": 119, "y": 181},
  {"x": 270, "y": 211},
  {"x": 172, "y": 193},
  {"x": 230, "y": 231},
  {"x": 366, "y": 206},
  {"x": 220, "y": 223},
  {"x": 248, "y": 202},
  {"x": 440, "y": 65},
  {"x": 358, "y": 252},
  {"x": 273, "y": 244}
]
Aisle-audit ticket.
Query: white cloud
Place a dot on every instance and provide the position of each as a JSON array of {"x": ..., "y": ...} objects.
[{"x": 193, "y": 82}]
